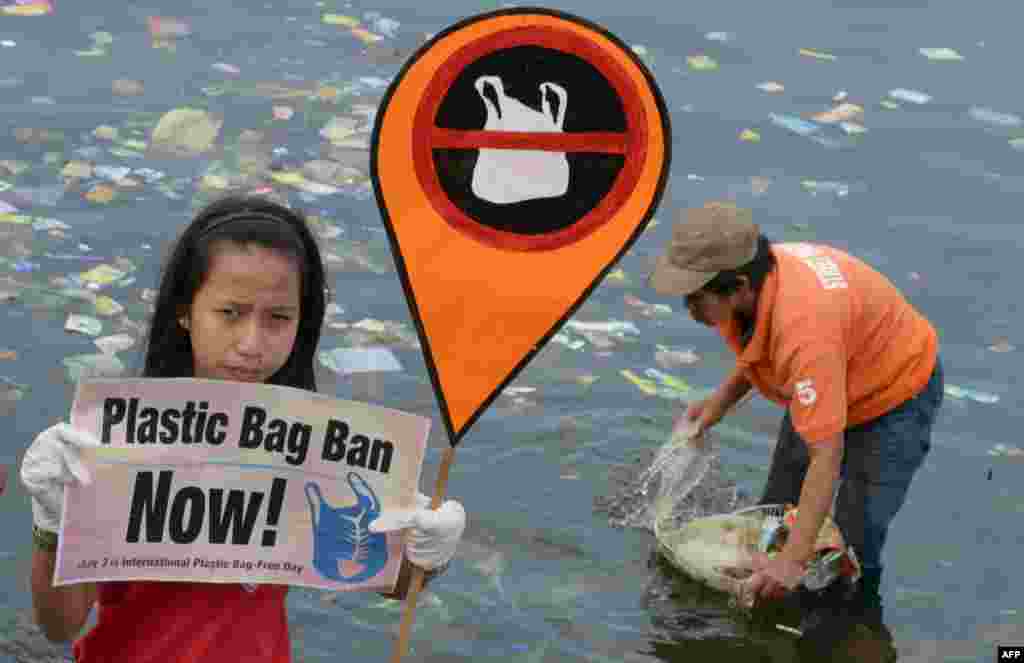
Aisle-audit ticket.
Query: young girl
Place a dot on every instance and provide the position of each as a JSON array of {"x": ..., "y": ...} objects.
[{"x": 242, "y": 298}]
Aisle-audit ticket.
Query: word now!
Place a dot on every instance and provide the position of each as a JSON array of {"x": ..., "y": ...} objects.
[{"x": 183, "y": 516}]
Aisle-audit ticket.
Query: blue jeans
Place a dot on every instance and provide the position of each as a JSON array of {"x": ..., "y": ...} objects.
[{"x": 880, "y": 458}]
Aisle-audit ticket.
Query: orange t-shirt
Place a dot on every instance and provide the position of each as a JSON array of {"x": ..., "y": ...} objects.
[
  {"x": 183, "y": 622},
  {"x": 834, "y": 340}
]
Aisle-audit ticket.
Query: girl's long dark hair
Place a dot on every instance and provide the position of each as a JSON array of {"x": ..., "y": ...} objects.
[{"x": 242, "y": 220}]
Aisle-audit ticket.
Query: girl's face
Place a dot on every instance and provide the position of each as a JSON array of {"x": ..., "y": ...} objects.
[{"x": 245, "y": 317}]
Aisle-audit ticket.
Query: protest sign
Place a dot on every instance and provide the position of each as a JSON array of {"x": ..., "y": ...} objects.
[
  {"x": 515, "y": 158},
  {"x": 210, "y": 481}
]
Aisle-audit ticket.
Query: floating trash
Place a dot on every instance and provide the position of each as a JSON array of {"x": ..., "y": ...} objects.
[
  {"x": 817, "y": 55},
  {"x": 100, "y": 194},
  {"x": 164, "y": 27},
  {"x": 365, "y": 35},
  {"x": 341, "y": 19},
  {"x": 338, "y": 128},
  {"x": 1002, "y": 345},
  {"x": 124, "y": 87},
  {"x": 910, "y": 96},
  {"x": 347, "y": 361},
  {"x": 989, "y": 116},
  {"x": 750, "y": 136},
  {"x": 564, "y": 339},
  {"x": 83, "y": 324},
  {"x": 619, "y": 328},
  {"x": 645, "y": 308},
  {"x": 115, "y": 343},
  {"x": 226, "y": 68},
  {"x": 970, "y": 394},
  {"x": 1005, "y": 450},
  {"x": 795, "y": 124},
  {"x": 941, "y": 54},
  {"x": 84, "y": 367},
  {"x": 815, "y": 187},
  {"x": 720, "y": 36},
  {"x": 27, "y": 8},
  {"x": 771, "y": 87},
  {"x": 840, "y": 113},
  {"x": 701, "y": 62},
  {"x": 188, "y": 131},
  {"x": 852, "y": 128}
]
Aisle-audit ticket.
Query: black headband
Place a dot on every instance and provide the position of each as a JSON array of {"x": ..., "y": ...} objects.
[{"x": 250, "y": 215}]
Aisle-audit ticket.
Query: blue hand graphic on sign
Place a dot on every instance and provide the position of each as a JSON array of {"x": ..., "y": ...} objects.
[{"x": 344, "y": 548}]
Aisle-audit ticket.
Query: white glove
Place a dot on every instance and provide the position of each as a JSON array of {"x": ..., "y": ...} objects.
[
  {"x": 53, "y": 460},
  {"x": 433, "y": 535}
]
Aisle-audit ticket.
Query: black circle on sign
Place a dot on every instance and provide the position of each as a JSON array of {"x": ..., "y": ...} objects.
[{"x": 592, "y": 105}]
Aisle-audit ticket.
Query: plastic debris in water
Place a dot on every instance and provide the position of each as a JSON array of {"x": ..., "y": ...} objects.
[
  {"x": 750, "y": 136},
  {"x": 115, "y": 343},
  {"x": 163, "y": 27},
  {"x": 339, "y": 128},
  {"x": 910, "y": 96},
  {"x": 989, "y": 116},
  {"x": 720, "y": 36},
  {"x": 941, "y": 54},
  {"x": 840, "y": 113},
  {"x": 852, "y": 128},
  {"x": 817, "y": 55},
  {"x": 970, "y": 394},
  {"x": 226, "y": 68},
  {"x": 771, "y": 87},
  {"x": 646, "y": 309},
  {"x": 701, "y": 62},
  {"x": 104, "y": 365},
  {"x": 359, "y": 360},
  {"x": 795, "y": 124},
  {"x": 101, "y": 193},
  {"x": 1005, "y": 450},
  {"x": 1002, "y": 345},
  {"x": 386, "y": 26},
  {"x": 186, "y": 130},
  {"x": 340, "y": 19},
  {"x": 27, "y": 8},
  {"x": 365, "y": 35},
  {"x": 83, "y": 324},
  {"x": 815, "y": 187}
]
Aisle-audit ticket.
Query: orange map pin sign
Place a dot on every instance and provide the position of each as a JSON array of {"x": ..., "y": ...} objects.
[{"x": 515, "y": 158}]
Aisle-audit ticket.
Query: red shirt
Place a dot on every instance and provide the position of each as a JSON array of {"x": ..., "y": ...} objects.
[{"x": 178, "y": 622}]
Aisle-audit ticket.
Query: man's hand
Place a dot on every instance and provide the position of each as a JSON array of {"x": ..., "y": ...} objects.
[{"x": 773, "y": 577}]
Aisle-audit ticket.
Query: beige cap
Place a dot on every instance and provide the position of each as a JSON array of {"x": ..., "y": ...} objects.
[{"x": 712, "y": 238}]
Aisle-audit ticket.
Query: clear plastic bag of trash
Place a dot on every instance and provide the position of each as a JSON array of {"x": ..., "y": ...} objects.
[{"x": 717, "y": 548}]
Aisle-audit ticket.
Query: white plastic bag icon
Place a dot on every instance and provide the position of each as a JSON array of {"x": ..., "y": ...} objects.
[{"x": 512, "y": 176}]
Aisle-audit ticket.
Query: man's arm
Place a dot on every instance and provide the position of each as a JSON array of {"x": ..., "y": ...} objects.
[
  {"x": 732, "y": 390},
  {"x": 816, "y": 495}
]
